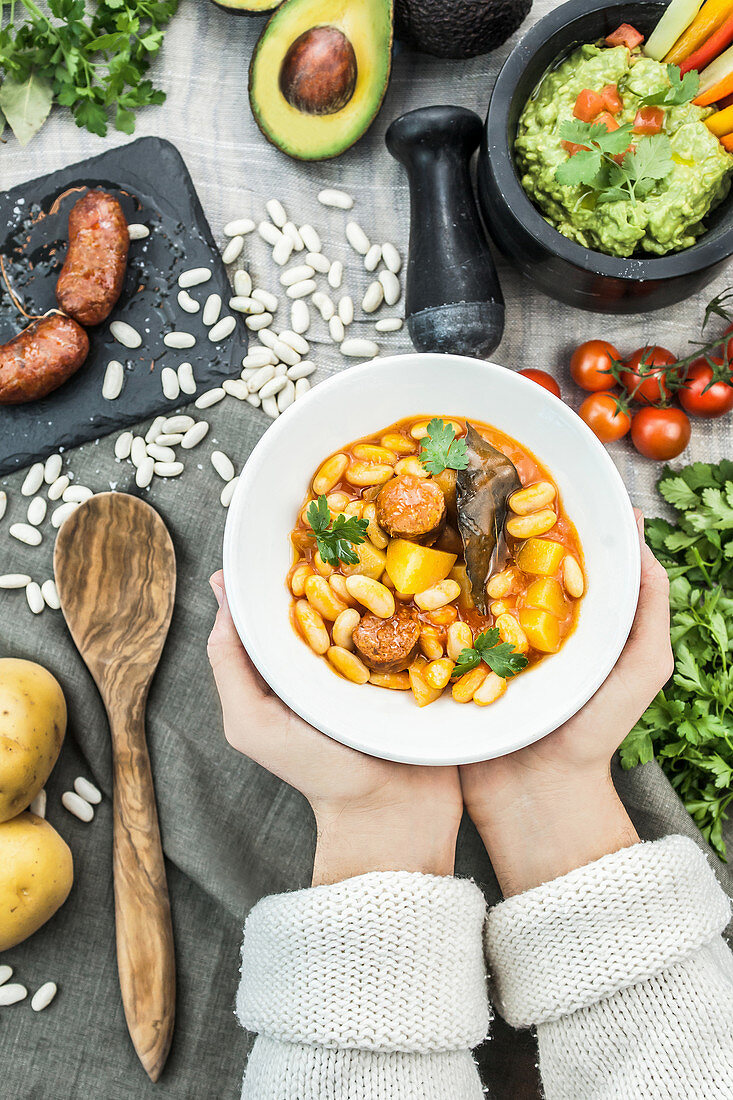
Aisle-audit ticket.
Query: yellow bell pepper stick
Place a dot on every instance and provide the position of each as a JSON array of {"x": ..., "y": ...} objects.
[
  {"x": 721, "y": 122},
  {"x": 711, "y": 15}
]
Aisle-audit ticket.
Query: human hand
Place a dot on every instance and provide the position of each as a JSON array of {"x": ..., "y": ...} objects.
[
  {"x": 552, "y": 806},
  {"x": 371, "y": 815}
]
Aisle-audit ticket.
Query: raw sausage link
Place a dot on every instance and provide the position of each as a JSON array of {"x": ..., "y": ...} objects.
[
  {"x": 387, "y": 645},
  {"x": 41, "y": 358},
  {"x": 94, "y": 269},
  {"x": 412, "y": 508}
]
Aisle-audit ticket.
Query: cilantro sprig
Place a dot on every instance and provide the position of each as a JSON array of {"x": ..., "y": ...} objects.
[
  {"x": 501, "y": 658},
  {"x": 440, "y": 450},
  {"x": 335, "y": 541},
  {"x": 680, "y": 90},
  {"x": 90, "y": 57},
  {"x": 641, "y": 169}
]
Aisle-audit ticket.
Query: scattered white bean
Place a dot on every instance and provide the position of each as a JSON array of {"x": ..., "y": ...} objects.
[
  {"x": 87, "y": 790},
  {"x": 258, "y": 357},
  {"x": 296, "y": 274},
  {"x": 259, "y": 321},
  {"x": 11, "y": 993},
  {"x": 222, "y": 329},
  {"x": 336, "y": 329},
  {"x": 391, "y": 257},
  {"x": 272, "y": 388},
  {"x": 52, "y": 468},
  {"x": 223, "y": 465},
  {"x": 310, "y": 238},
  {"x": 269, "y": 301},
  {"x": 114, "y": 376},
  {"x": 77, "y": 806},
  {"x": 144, "y": 473},
  {"x": 187, "y": 303},
  {"x": 168, "y": 469},
  {"x": 242, "y": 283},
  {"x": 156, "y": 427},
  {"x": 357, "y": 238},
  {"x": 358, "y": 348},
  {"x": 300, "y": 318},
  {"x": 179, "y": 340},
  {"x": 38, "y": 805},
  {"x": 24, "y": 532},
  {"x": 14, "y": 580},
  {"x": 246, "y": 305},
  {"x": 282, "y": 251},
  {"x": 233, "y": 250},
  {"x": 269, "y": 406},
  {"x": 181, "y": 422},
  {"x": 373, "y": 297},
  {"x": 324, "y": 304},
  {"x": 269, "y": 232},
  {"x": 301, "y": 289},
  {"x": 77, "y": 494},
  {"x": 389, "y": 324},
  {"x": 372, "y": 258},
  {"x": 169, "y": 382},
  {"x": 282, "y": 369},
  {"x": 286, "y": 396},
  {"x": 122, "y": 448},
  {"x": 209, "y": 398},
  {"x": 239, "y": 227},
  {"x": 212, "y": 310},
  {"x": 335, "y": 274},
  {"x": 346, "y": 309},
  {"x": 194, "y": 435},
  {"x": 138, "y": 232},
  {"x": 138, "y": 450},
  {"x": 318, "y": 262},
  {"x": 295, "y": 341},
  {"x": 60, "y": 485},
  {"x": 235, "y": 387},
  {"x": 301, "y": 386},
  {"x": 254, "y": 400},
  {"x": 283, "y": 351},
  {"x": 125, "y": 334},
  {"x": 35, "y": 599},
  {"x": 247, "y": 373},
  {"x": 62, "y": 513},
  {"x": 42, "y": 997},
  {"x": 33, "y": 480},
  {"x": 186, "y": 380},
  {"x": 6, "y": 973},
  {"x": 391, "y": 286},
  {"x": 301, "y": 370},
  {"x": 168, "y": 439},
  {"x": 258, "y": 379},
  {"x": 36, "y": 511},
  {"x": 3, "y": 502},
  {"x": 276, "y": 212},
  {"x": 160, "y": 453},
  {"x": 342, "y": 200},
  {"x": 290, "y": 230},
  {"x": 194, "y": 277},
  {"x": 50, "y": 594},
  {"x": 228, "y": 492}
]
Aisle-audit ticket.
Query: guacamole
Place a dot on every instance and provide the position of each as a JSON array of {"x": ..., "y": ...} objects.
[{"x": 671, "y": 216}]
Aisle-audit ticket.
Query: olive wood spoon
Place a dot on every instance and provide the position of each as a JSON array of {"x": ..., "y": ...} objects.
[{"x": 116, "y": 576}]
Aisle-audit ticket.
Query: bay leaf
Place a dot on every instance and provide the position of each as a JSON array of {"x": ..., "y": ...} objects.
[{"x": 26, "y": 104}]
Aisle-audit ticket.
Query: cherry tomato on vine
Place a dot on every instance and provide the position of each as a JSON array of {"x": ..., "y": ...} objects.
[
  {"x": 698, "y": 401},
  {"x": 604, "y": 418},
  {"x": 542, "y": 378},
  {"x": 590, "y": 365},
  {"x": 652, "y": 387},
  {"x": 660, "y": 433}
]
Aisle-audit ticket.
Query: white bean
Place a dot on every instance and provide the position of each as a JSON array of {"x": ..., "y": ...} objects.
[
  {"x": 285, "y": 353},
  {"x": 276, "y": 212},
  {"x": 346, "y": 309},
  {"x": 269, "y": 300},
  {"x": 42, "y": 997},
  {"x": 77, "y": 806},
  {"x": 258, "y": 357},
  {"x": 179, "y": 340},
  {"x": 223, "y": 465},
  {"x": 258, "y": 321},
  {"x": 233, "y": 250},
  {"x": 242, "y": 283},
  {"x": 50, "y": 594},
  {"x": 269, "y": 232},
  {"x": 209, "y": 398},
  {"x": 222, "y": 329},
  {"x": 186, "y": 380},
  {"x": 33, "y": 480},
  {"x": 282, "y": 369},
  {"x": 52, "y": 468},
  {"x": 87, "y": 790},
  {"x": 122, "y": 446},
  {"x": 144, "y": 473},
  {"x": 296, "y": 274},
  {"x": 77, "y": 494},
  {"x": 156, "y": 427},
  {"x": 36, "y": 511},
  {"x": 138, "y": 450},
  {"x": 246, "y": 305},
  {"x": 254, "y": 400},
  {"x": 324, "y": 304},
  {"x": 6, "y": 973},
  {"x": 14, "y": 580},
  {"x": 272, "y": 388},
  {"x": 239, "y": 227},
  {"x": 373, "y": 297},
  {"x": 34, "y": 596},
  {"x": 114, "y": 376},
  {"x": 160, "y": 453},
  {"x": 286, "y": 396},
  {"x": 235, "y": 387},
  {"x": 125, "y": 334},
  {"x": 168, "y": 439},
  {"x": 391, "y": 257},
  {"x": 389, "y": 324},
  {"x": 310, "y": 238},
  {"x": 336, "y": 329},
  {"x": 62, "y": 513},
  {"x": 301, "y": 370},
  {"x": 3, "y": 502},
  {"x": 38, "y": 805},
  {"x": 194, "y": 277},
  {"x": 342, "y": 200},
  {"x": 194, "y": 435},
  {"x": 212, "y": 310},
  {"x": 228, "y": 492},
  {"x": 335, "y": 274},
  {"x": 357, "y": 238},
  {"x": 168, "y": 469},
  {"x": 187, "y": 303},
  {"x": 318, "y": 262},
  {"x": 169, "y": 382},
  {"x": 282, "y": 251},
  {"x": 11, "y": 993},
  {"x": 181, "y": 422},
  {"x": 295, "y": 340},
  {"x": 269, "y": 406},
  {"x": 301, "y": 386},
  {"x": 300, "y": 318},
  {"x": 257, "y": 381},
  {"x": 391, "y": 286},
  {"x": 372, "y": 258},
  {"x": 24, "y": 532},
  {"x": 60, "y": 485},
  {"x": 137, "y": 231},
  {"x": 290, "y": 230},
  {"x": 358, "y": 348}
]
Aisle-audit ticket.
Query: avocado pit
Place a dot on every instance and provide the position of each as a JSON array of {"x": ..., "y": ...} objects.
[{"x": 318, "y": 74}]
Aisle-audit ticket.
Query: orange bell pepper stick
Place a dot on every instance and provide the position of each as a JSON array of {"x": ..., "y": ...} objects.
[
  {"x": 715, "y": 80},
  {"x": 721, "y": 122},
  {"x": 711, "y": 15},
  {"x": 710, "y": 49},
  {"x": 727, "y": 142},
  {"x": 724, "y": 87}
]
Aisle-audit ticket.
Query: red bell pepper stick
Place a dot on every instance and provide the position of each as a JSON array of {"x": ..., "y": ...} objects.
[{"x": 709, "y": 49}]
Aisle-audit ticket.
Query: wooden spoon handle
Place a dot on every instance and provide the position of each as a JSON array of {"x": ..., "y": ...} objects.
[{"x": 145, "y": 954}]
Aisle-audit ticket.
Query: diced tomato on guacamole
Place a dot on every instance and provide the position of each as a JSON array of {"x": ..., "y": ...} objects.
[
  {"x": 625, "y": 35},
  {"x": 649, "y": 120}
]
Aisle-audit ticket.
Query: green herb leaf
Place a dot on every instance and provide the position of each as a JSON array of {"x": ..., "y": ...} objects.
[
  {"x": 335, "y": 541},
  {"x": 642, "y": 167},
  {"x": 440, "y": 450},
  {"x": 502, "y": 658},
  {"x": 680, "y": 90}
]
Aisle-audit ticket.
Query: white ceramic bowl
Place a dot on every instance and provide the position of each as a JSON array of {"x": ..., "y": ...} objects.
[{"x": 358, "y": 402}]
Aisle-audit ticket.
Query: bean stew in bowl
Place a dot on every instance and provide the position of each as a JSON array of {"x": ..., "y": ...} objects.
[
  {"x": 424, "y": 530},
  {"x": 435, "y": 556}
]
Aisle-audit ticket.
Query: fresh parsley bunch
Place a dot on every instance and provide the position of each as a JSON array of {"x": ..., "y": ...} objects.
[
  {"x": 689, "y": 726},
  {"x": 89, "y": 57},
  {"x": 639, "y": 171},
  {"x": 335, "y": 541},
  {"x": 501, "y": 658}
]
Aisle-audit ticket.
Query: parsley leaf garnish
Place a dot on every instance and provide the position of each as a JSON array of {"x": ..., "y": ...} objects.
[
  {"x": 440, "y": 450},
  {"x": 681, "y": 89},
  {"x": 335, "y": 540},
  {"x": 641, "y": 168},
  {"x": 501, "y": 658}
]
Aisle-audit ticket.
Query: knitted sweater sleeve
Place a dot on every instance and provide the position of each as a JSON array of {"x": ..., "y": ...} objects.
[
  {"x": 622, "y": 969},
  {"x": 372, "y": 988}
]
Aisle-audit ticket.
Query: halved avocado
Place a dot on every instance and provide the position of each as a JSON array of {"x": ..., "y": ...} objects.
[
  {"x": 247, "y": 7},
  {"x": 319, "y": 74}
]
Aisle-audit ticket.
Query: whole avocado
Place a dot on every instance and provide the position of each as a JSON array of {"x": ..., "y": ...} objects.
[{"x": 458, "y": 28}]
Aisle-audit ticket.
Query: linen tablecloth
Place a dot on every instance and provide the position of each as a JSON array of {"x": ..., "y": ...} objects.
[{"x": 231, "y": 832}]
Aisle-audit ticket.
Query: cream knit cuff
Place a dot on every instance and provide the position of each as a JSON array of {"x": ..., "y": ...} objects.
[
  {"x": 388, "y": 961},
  {"x": 572, "y": 942}
]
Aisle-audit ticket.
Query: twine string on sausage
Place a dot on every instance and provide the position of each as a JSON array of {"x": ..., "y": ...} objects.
[{"x": 16, "y": 301}]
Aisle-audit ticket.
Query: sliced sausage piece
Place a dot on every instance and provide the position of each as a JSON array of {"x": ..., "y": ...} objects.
[
  {"x": 388, "y": 645},
  {"x": 91, "y": 279},
  {"x": 413, "y": 508},
  {"x": 41, "y": 358}
]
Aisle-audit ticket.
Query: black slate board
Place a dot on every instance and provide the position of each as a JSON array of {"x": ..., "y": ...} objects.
[{"x": 151, "y": 180}]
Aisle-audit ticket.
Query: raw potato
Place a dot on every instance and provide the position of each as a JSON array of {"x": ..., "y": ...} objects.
[
  {"x": 36, "y": 873},
  {"x": 32, "y": 727}
]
